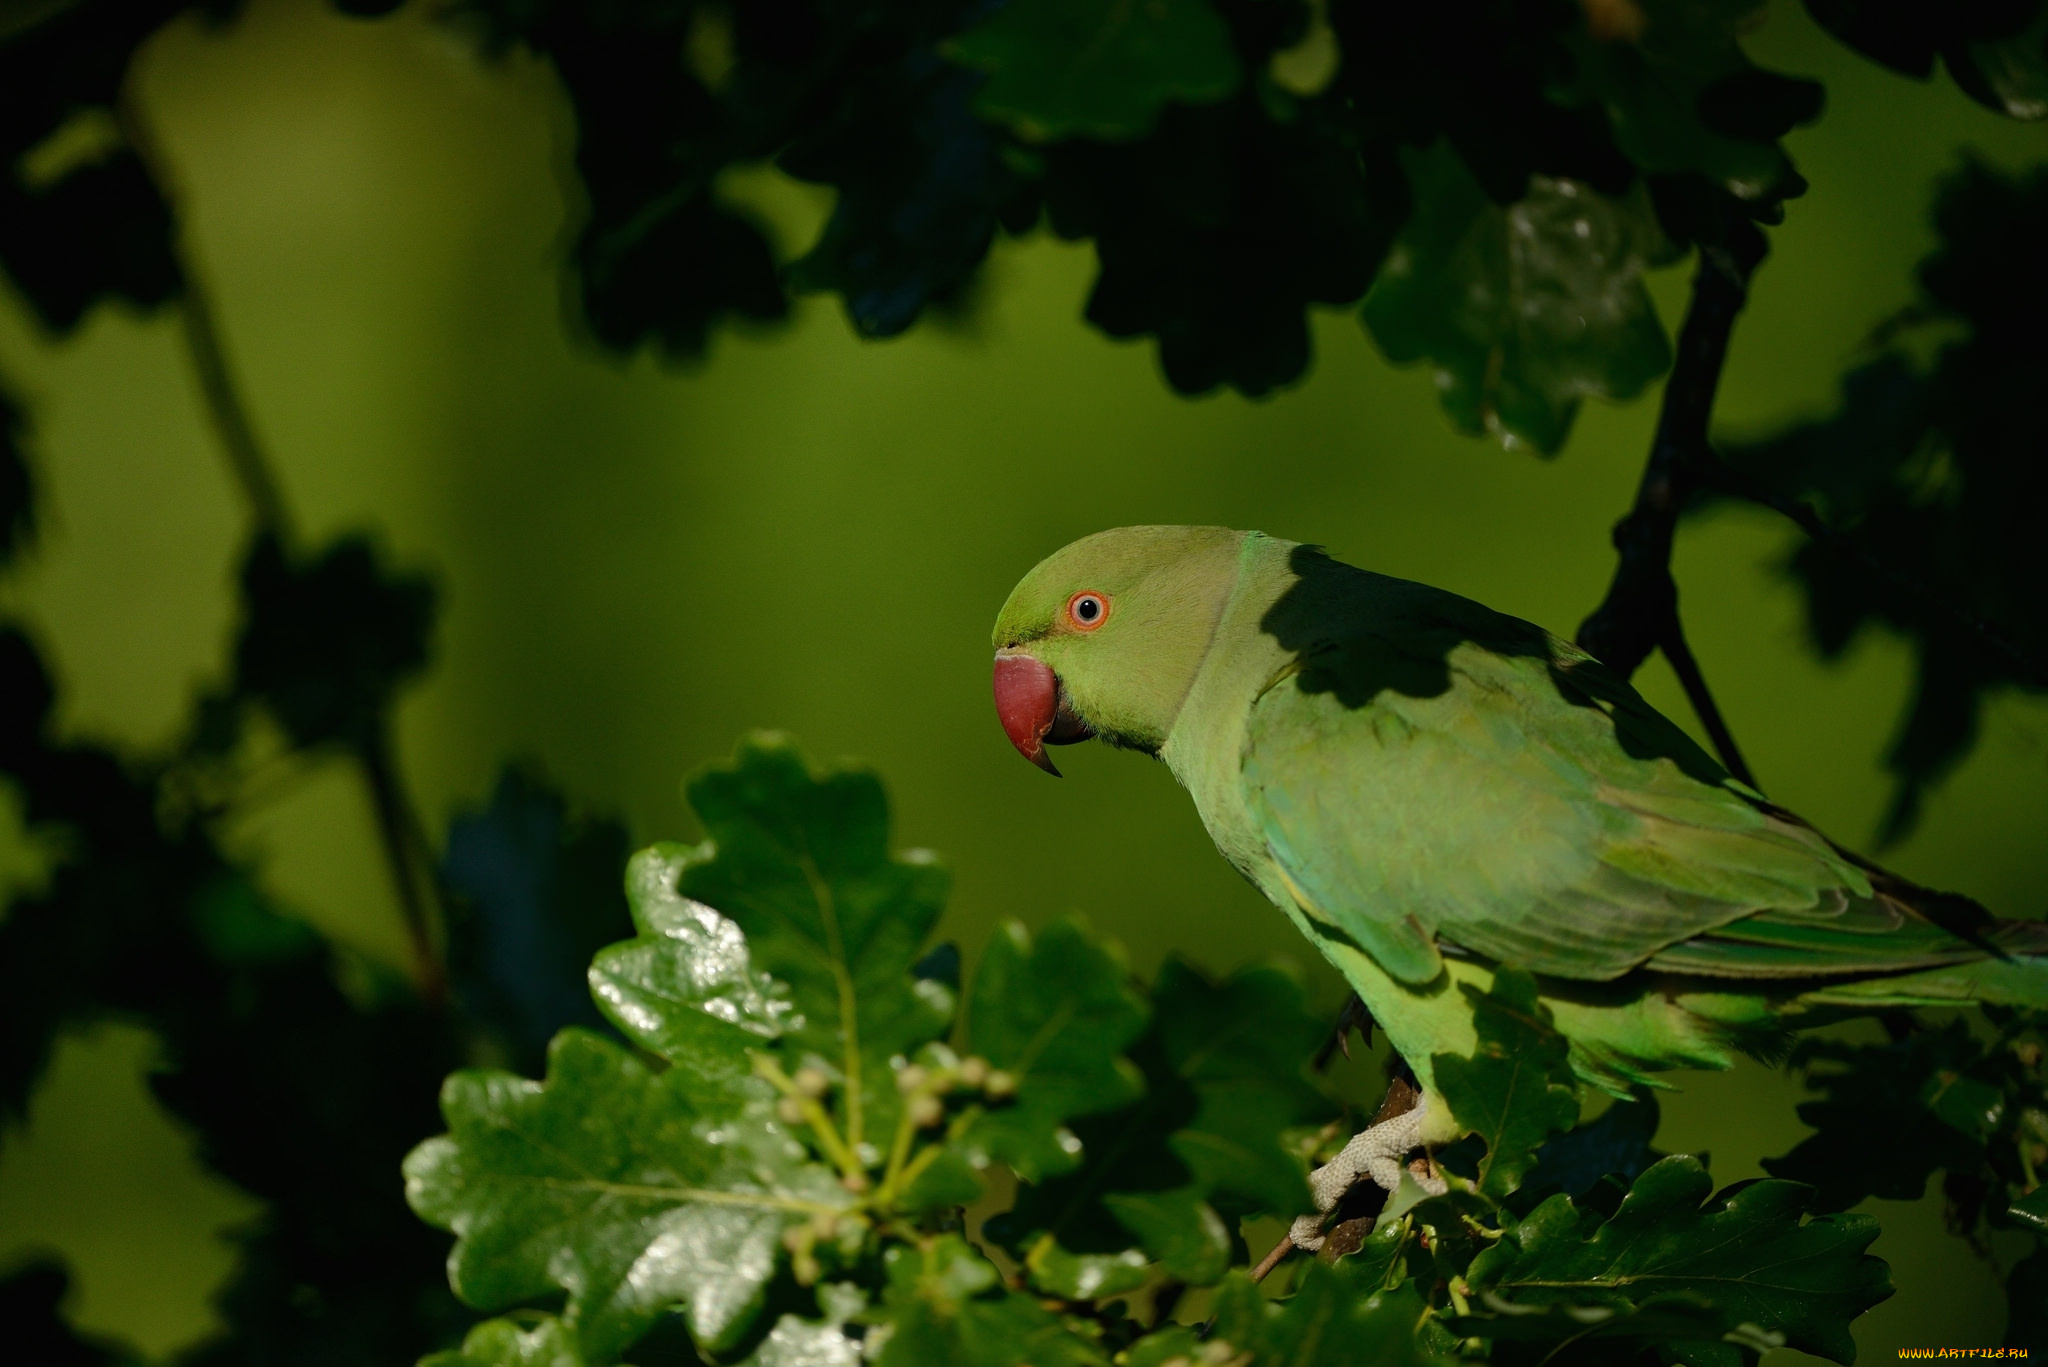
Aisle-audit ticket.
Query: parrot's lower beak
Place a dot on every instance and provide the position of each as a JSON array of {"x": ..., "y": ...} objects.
[{"x": 1032, "y": 704}]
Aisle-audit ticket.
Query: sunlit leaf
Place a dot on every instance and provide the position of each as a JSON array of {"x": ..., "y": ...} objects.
[
  {"x": 801, "y": 864},
  {"x": 797, "y": 1342},
  {"x": 1517, "y": 1088},
  {"x": 504, "y": 1343},
  {"x": 686, "y": 987},
  {"x": 628, "y": 1190}
]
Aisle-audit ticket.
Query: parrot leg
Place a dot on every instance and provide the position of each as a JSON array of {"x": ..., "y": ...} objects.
[{"x": 1375, "y": 1152}]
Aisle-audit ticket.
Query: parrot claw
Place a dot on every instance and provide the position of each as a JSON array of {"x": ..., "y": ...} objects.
[{"x": 1375, "y": 1152}]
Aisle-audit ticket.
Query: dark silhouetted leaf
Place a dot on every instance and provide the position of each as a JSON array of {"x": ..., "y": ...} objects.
[
  {"x": 30, "y": 1298},
  {"x": 1752, "y": 1254},
  {"x": 101, "y": 231},
  {"x": 17, "y": 489},
  {"x": 1997, "y": 50},
  {"x": 1616, "y": 1145},
  {"x": 2026, "y": 1290},
  {"x": 1877, "y": 1089},
  {"x": 1657, "y": 83},
  {"x": 1217, "y": 232},
  {"x": 1760, "y": 105},
  {"x": 922, "y": 185},
  {"x": 1067, "y": 68},
  {"x": 536, "y": 895},
  {"x": 1932, "y": 471},
  {"x": 325, "y": 643},
  {"x": 2009, "y": 72}
]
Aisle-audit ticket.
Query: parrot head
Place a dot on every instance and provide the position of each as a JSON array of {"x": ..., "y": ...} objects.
[{"x": 1105, "y": 636}]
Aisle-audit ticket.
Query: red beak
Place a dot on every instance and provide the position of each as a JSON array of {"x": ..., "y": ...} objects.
[{"x": 1034, "y": 709}]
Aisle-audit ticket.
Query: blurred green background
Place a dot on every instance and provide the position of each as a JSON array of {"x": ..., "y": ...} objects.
[{"x": 813, "y": 533}]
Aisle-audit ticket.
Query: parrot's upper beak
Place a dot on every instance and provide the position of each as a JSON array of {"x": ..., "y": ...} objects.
[{"x": 1032, "y": 704}]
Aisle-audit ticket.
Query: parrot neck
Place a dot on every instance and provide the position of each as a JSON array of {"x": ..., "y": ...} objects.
[{"x": 1206, "y": 740}]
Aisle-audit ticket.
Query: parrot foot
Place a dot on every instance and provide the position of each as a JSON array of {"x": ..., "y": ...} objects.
[{"x": 1376, "y": 1153}]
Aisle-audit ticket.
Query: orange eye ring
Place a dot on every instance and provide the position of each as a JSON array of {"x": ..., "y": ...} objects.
[{"x": 1087, "y": 610}]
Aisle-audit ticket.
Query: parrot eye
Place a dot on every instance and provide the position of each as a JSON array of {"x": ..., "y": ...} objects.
[{"x": 1087, "y": 610}]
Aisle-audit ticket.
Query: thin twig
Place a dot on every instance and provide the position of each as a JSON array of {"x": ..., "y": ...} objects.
[
  {"x": 224, "y": 408},
  {"x": 399, "y": 827},
  {"x": 1274, "y": 1258},
  {"x": 414, "y": 878},
  {"x": 1640, "y": 612},
  {"x": 1688, "y": 671}
]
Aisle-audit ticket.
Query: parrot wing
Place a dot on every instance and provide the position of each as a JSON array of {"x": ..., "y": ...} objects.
[{"x": 1450, "y": 776}]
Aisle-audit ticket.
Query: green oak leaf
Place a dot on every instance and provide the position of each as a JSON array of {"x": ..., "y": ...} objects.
[
  {"x": 1967, "y": 1105},
  {"x": 1240, "y": 1044},
  {"x": 632, "y": 1191},
  {"x": 503, "y": 1343},
  {"x": 1224, "y": 1077},
  {"x": 1335, "y": 1318},
  {"x": 1083, "y": 68},
  {"x": 1056, "y": 1014},
  {"x": 796, "y": 1342},
  {"x": 1525, "y": 309},
  {"x": 685, "y": 988},
  {"x": 801, "y": 863},
  {"x": 1176, "y": 1344},
  {"x": 1085, "y": 1276},
  {"x": 1662, "y": 90},
  {"x": 1752, "y": 1254},
  {"x": 1179, "y": 1228},
  {"x": 945, "y": 1303},
  {"x": 1517, "y": 1088}
]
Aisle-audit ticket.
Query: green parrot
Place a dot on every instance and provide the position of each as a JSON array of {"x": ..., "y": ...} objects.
[{"x": 1429, "y": 789}]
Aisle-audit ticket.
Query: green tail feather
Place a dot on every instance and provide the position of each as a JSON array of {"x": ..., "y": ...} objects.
[{"x": 2020, "y": 980}]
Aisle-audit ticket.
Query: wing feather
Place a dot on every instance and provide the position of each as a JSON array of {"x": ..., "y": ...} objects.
[{"x": 1522, "y": 804}]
